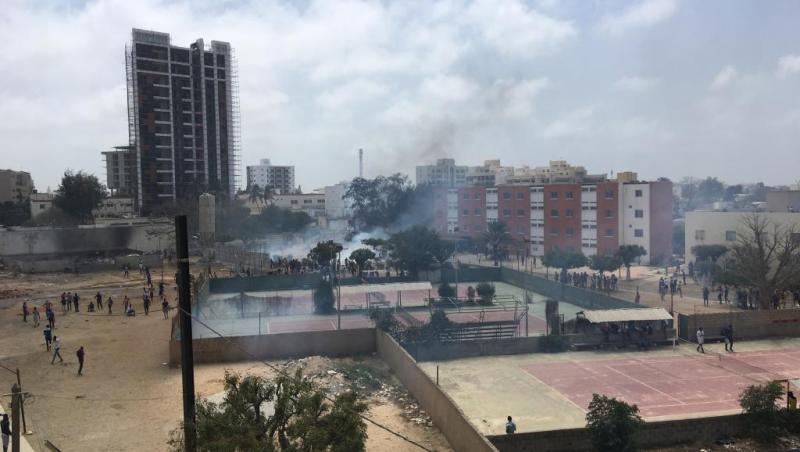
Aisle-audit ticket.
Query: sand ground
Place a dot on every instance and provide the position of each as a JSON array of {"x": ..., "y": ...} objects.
[{"x": 128, "y": 398}]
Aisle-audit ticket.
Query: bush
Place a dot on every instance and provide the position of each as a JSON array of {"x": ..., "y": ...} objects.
[
  {"x": 471, "y": 294},
  {"x": 384, "y": 319},
  {"x": 485, "y": 292},
  {"x": 759, "y": 404},
  {"x": 446, "y": 290},
  {"x": 612, "y": 424},
  {"x": 323, "y": 297}
]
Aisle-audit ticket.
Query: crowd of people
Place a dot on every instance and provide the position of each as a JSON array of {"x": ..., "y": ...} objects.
[{"x": 594, "y": 281}]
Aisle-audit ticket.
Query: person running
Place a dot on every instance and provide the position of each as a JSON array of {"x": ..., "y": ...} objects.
[
  {"x": 99, "y": 298},
  {"x": 48, "y": 336},
  {"x": 56, "y": 350},
  {"x": 5, "y": 432},
  {"x": 51, "y": 318},
  {"x": 35, "y": 317},
  {"x": 81, "y": 354},
  {"x": 706, "y": 293},
  {"x": 109, "y": 302},
  {"x": 511, "y": 427},
  {"x": 165, "y": 308},
  {"x": 701, "y": 335},
  {"x": 25, "y": 311}
]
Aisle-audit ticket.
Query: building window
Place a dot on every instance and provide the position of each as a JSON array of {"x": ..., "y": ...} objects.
[
  {"x": 477, "y": 196},
  {"x": 307, "y": 201},
  {"x": 520, "y": 213},
  {"x": 506, "y": 212},
  {"x": 730, "y": 236},
  {"x": 465, "y": 212},
  {"x": 569, "y": 195},
  {"x": 554, "y": 213},
  {"x": 609, "y": 194},
  {"x": 570, "y": 232},
  {"x": 466, "y": 196},
  {"x": 553, "y": 195},
  {"x": 520, "y": 195},
  {"x": 637, "y": 193},
  {"x": 506, "y": 195},
  {"x": 638, "y": 213},
  {"x": 700, "y": 234},
  {"x": 638, "y": 232},
  {"x": 553, "y": 231},
  {"x": 293, "y": 201},
  {"x": 569, "y": 213},
  {"x": 609, "y": 233},
  {"x": 477, "y": 211},
  {"x": 609, "y": 213}
]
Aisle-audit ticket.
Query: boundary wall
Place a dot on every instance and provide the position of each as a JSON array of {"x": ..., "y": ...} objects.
[
  {"x": 652, "y": 434},
  {"x": 444, "y": 351},
  {"x": 746, "y": 324},
  {"x": 444, "y": 412}
]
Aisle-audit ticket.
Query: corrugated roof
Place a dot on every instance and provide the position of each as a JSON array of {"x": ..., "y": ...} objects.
[
  {"x": 392, "y": 287},
  {"x": 624, "y": 315}
]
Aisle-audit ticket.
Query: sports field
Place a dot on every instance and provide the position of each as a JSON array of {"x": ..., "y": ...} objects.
[{"x": 551, "y": 391}]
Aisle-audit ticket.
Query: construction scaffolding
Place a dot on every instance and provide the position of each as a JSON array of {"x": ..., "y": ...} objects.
[
  {"x": 235, "y": 151},
  {"x": 133, "y": 121}
]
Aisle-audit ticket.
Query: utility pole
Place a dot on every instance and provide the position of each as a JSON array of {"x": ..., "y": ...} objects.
[
  {"x": 16, "y": 403},
  {"x": 187, "y": 359}
]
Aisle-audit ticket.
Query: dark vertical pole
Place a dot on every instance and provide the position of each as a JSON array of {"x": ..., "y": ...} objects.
[
  {"x": 22, "y": 406},
  {"x": 187, "y": 359},
  {"x": 16, "y": 402}
]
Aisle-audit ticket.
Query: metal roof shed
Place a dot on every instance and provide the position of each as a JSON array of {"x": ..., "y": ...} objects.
[{"x": 626, "y": 315}]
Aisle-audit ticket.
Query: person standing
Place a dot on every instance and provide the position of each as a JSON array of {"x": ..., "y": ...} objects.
[
  {"x": 146, "y": 305},
  {"x": 5, "y": 431},
  {"x": 35, "y": 317},
  {"x": 701, "y": 336},
  {"x": 48, "y": 337},
  {"x": 125, "y": 302},
  {"x": 56, "y": 350},
  {"x": 126, "y": 271},
  {"x": 99, "y": 298},
  {"x": 76, "y": 300},
  {"x": 51, "y": 318},
  {"x": 81, "y": 355},
  {"x": 638, "y": 297},
  {"x": 68, "y": 302},
  {"x": 706, "y": 293},
  {"x": 165, "y": 308},
  {"x": 511, "y": 427},
  {"x": 109, "y": 302},
  {"x": 729, "y": 338},
  {"x": 25, "y": 311}
]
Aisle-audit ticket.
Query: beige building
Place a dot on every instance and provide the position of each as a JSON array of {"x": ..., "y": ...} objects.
[
  {"x": 723, "y": 228},
  {"x": 116, "y": 207},
  {"x": 41, "y": 203},
  {"x": 15, "y": 186},
  {"x": 783, "y": 201}
]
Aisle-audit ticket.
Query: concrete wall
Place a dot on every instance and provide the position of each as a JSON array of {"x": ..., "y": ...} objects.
[
  {"x": 746, "y": 324},
  {"x": 468, "y": 349},
  {"x": 461, "y": 434},
  {"x": 653, "y": 434},
  {"x": 34, "y": 265},
  {"x": 17, "y": 241},
  {"x": 348, "y": 342},
  {"x": 714, "y": 225},
  {"x": 585, "y": 298},
  {"x": 263, "y": 283}
]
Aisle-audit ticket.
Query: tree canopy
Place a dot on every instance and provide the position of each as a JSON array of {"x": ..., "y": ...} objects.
[
  {"x": 78, "y": 194},
  {"x": 496, "y": 238},
  {"x": 604, "y": 263},
  {"x": 612, "y": 424},
  {"x": 325, "y": 252},
  {"x": 379, "y": 202},
  {"x": 563, "y": 259},
  {"x": 361, "y": 256},
  {"x": 709, "y": 252},
  {"x": 304, "y": 418},
  {"x": 627, "y": 254},
  {"x": 413, "y": 249}
]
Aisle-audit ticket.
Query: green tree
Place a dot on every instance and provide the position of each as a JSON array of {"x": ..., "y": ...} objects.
[
  {"x": 379, "y": 202},
  {"x": 711, "y": 190},
  {"x": 709, "y": 252},
  {"x": 78, "y": 194},
  {"x": 628, "y": 254},
  {"x": 255, "y": 193},
  {"x": 325, "y": 252},
  {"x": 604, "y": 263},
  {"x": 563, "y": 259},
  {"x": 496, "y": 238},
  {"x": 377, "y": 245},
  {"x": 446, "y": 290},
  {"x": 759, "y": 402},
  {"x": 612, "y": 424},
  {"x": 485, "y": 292},
  {"x": 15, "y": 213},
  {"x": 304, "y": 418},
  {"x": 411, "y": 250},
  {"x": 765, "y": 256},
  {"x": 361, "y": 256}
]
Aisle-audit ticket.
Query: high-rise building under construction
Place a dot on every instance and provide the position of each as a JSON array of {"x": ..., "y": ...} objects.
[{"x": 183, "y": 118}]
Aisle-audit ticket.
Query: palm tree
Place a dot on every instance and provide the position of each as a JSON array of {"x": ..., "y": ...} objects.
[
  {"x": 496, "y": 237},
  {"x": 255, "y": 194}
]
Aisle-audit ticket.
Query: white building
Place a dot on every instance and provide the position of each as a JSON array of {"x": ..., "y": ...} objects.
[
  {"x": 311, "y": 203},
  {"x": 41, "y": 203},
  {"x": 336, "y": 207},
  {"x": 445, "y": 173},
  {"x": 706, "y": 227},
  {"x": 280, "y": 178},
  {"x": 115, "y": 207}
]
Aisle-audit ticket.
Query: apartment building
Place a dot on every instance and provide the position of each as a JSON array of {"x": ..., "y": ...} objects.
[
  {"x": 280, "y": 178},
  {"x": 594, "y": 218},
  {"x": 445, "y": 173},
  {"x": 15, "y": 186}
]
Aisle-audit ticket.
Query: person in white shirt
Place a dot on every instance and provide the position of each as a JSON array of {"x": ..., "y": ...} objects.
[
  {"x": 56, "y": 350},
  {"x": 701, "y": 335}
]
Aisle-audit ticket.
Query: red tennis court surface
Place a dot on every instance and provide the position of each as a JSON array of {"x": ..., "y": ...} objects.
[
  {"x": 536, "y": 325},
  {"x": 669, "y": 386},
  {"x": 277, "y": 325}
]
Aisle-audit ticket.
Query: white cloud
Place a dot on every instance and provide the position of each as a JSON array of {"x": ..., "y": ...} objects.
[
  {"x": 635, "y": 84},
  {"x": 789, "y": 65},
  {"x": 725, "y": 77},
  {"x": 643, "y": 14},
  {"x": 516, "y": 30},
  {"x": 575, "y": 122},
  {"x": 350, "y": 94}
]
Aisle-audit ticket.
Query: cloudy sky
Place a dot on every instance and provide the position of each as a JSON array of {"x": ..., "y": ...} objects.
[{"x": 663, "y": 87}]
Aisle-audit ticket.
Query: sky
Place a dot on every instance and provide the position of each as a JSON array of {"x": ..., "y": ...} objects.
[{"x": 668, "y": 88}]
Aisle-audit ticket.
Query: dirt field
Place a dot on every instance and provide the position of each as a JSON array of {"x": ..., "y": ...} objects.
[{"x": 128, "y": 399}]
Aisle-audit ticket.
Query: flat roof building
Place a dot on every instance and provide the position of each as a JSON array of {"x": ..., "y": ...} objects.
[
  {"x": 15, "y": 186},
  {"x": 280, "y": 178}
]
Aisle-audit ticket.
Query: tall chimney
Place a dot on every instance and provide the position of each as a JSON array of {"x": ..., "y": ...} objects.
[{"x": 361, "y": 163}]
